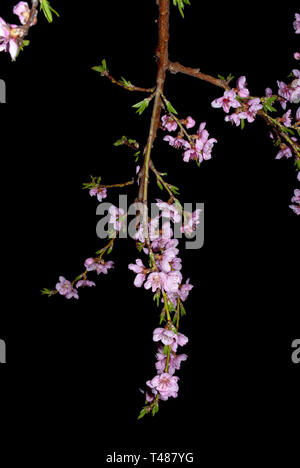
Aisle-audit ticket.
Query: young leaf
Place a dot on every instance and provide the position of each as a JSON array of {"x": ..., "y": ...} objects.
[
  {"x": 171, "y": 108},
  {"x": 141, "y": 106},
  {"x": 101, "y": 68},
  {"x": 142, "y": 413},
  {"x": 47, "y": 10}
]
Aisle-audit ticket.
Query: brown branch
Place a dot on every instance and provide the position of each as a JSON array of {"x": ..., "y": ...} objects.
[
  {"x": 176, "y": 67},
  {"x": 131, "y": 87},
  {"x": 163, "y": 62}
]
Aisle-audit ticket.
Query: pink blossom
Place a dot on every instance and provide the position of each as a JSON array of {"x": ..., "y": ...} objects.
[
  {"x": 156, "y": 280},
  {"x": 296, "y": 197},
  {"x": 99, "y": 267},
  {"x": 176, "y": 142},
  {"x": 85, "y": 283},
  {"x": 189, "y": 122},
  {"x": 115, "y": 214},
  {"x": 284, "y": 152},
  {"x": 22, "y": 10},
  {"x": 191, "y": 220},
  {"x": 167, "y": 257},
  {"x": 269, "y": 92},
  {"x": 202, "y": 147},
  {"x": 241, "y": 86},
  {"x": 164, "y": 335},
  {"x": 172, "y": 281},
  {"x": 298, "y": 176},
  {"x": 9, "y": 34},
  {"x": 65, "y": 288},
  {"x": 297, "y": 55},
  {"x": 165, "y": 384},
  {"x": 180, "y": 340},
  {"x": 168, "y": 211},
  {"x": 138, "y": 268},
  {"x": 185, "y": 290},
  {"x": 298, "y": 114},
  {"x": 226, "y": 101},
  {"x": 174, "y": 361},
  {"x": 296, "y": 23},
  {"x": 287, "y": 121},
  {"x": 168, "y": 123},
  {"x": 100, "y": 192},
  {"x": 89, "y": 262}
]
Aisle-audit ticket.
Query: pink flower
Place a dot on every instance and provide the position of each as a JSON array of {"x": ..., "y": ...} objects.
[
  {"x": 189, "y": 122},
  {"x": 167, "y": 257},
  {"x": 156, "y": 280},
  {"x": 104, "y": 267},
  {"x": 298, "y": 114},
  {"x": 297, "y": 55},
  {"x": 296, "y": 23},
  {"x": 226, "y": 101},
  {"x": 165, "y": 384},
  {"x": 85, "y": 283},
  {"x": 174, "y": 361},
  {"x": 22, "y": 10},
  {"x": 180, "y": 340},
  {"x": 298, "y": 176},
  {"x": 185, "y": 290},
  {"x": 287, "y": 121},
  {"x": 92, "y": 264},
  {"x": 296, "y": 197},
  {"x": 100, "y": 192},
  {"x": 168, "y": 123},
  {"x": 241, "y": 86},
  {"x": 284, "y": 152},
  {"x": 164, "y": 335},
  {"x": 138, "y": 268},
  {"x": 89, "y": 262},
  {"x": 172, "y": 281},
  {"x": 176, "y": 142},
  {"x": 115, "y": 214},
  {"x": 9, "y": 34},
  {"x": 168, "y": 211},
  {"x": 64, "y": 287}
]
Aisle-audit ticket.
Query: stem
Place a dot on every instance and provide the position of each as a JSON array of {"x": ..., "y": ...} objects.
[
  {"x": 162, "y": 53},
  {"x": 176, "y": 67}
]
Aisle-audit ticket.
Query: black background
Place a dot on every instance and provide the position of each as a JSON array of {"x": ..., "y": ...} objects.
[{"x": 74, "y": 367}]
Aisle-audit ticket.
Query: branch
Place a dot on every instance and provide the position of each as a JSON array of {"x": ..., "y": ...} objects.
[{"x": 176, "y": 67}]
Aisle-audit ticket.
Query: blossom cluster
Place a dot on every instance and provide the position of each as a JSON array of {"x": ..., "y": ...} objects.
[
  {"x": 197, "y": 147},
  {"x": 11, "y": 34},
  {"x": 67, "y": 289},
  {"x": 246, "y": 107},
  {"x": 165, "y": 383}
]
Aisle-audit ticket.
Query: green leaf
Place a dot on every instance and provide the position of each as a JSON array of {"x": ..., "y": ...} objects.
[
  {"x": 101, "y": 68},
  {"x": 174, "y": 189},
  {"x": 155, "y": 410},
  {"x": 121, "y": 141},
  {"x": 47, "y": 9},
  {"x": 143, "y": 412},
  {"x": 171, "y": 108},
  {"x": 126, "y": 83},
  {"x": 180, "y": 4},
  {"x": 141, "y": 106},
  {"x": 221, "y": 77},
  {"x": 229, "y": 77},
  {"x": 78, "y": 278},
  {"x": 242, "y": 124},
  {"x": 182, "y": 310}
]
